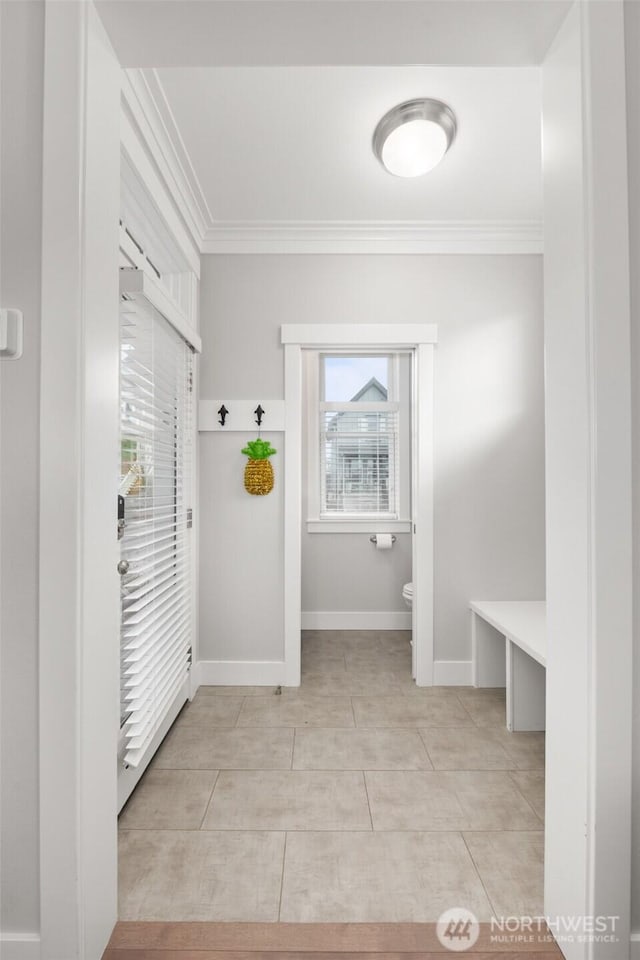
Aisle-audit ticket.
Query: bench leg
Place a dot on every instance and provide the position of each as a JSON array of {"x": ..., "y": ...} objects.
[
  {"x": 487, "y": 654},
  {"x": 526, "y": 682}
]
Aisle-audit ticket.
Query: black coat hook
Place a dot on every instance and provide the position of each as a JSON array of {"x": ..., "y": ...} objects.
[
  {"x": 259, "y": 412},
  {"x": 223, "y": 415}
]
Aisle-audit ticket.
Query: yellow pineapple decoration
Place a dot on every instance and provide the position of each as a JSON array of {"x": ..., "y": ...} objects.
[{"x": 258, "y": 473}]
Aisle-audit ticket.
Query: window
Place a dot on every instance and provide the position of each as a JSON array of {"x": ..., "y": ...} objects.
[
  {"x": 358, "y": 415},
  {"x": 155, "y": 481}
]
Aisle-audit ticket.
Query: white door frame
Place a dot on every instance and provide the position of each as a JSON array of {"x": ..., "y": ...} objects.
[
  {"x": 420, "y": 338},
  {"x": 79, "y": 456},
  {"x": 78, "y": 665},
  {"x": 588, "y": 477}
]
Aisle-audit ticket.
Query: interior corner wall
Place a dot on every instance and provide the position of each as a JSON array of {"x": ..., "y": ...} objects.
[
  {"x": 22, "y": 33},
  {"x": 489, "y": 427},
  {"x": 632, "y": 42}
]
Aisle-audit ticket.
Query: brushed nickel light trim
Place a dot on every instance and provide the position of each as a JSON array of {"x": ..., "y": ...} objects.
[{"x": 434, "y": 111}]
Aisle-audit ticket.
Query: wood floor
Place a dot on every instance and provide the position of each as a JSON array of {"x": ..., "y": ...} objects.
[{"x": 311, "y": 941}]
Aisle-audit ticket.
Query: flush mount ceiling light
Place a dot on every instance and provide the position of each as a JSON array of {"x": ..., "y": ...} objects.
[{"x": 413, "y": 137}]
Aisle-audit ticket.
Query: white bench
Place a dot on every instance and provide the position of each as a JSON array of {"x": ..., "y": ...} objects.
[{"x": 509, "y": 648}]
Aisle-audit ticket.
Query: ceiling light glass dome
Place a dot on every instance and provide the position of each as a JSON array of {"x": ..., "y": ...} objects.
[{"x": 413, "y": 137}]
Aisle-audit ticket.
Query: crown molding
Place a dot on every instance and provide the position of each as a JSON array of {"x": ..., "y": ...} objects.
[
  {"x": 149, "y": 108},
  {"x": 370, "y": 236}
]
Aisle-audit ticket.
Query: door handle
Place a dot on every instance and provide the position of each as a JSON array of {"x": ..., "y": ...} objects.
[
  {"x": 120, "y": 517},
  {"x": 123, "y": 567}
]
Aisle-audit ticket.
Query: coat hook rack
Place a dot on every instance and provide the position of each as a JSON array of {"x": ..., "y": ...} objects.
[
  {"x": 223, "y": 412},
  {"x": 259, "y": 412}
]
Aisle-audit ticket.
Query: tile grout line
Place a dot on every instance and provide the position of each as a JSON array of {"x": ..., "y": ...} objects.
[
  {"x": 424, "y": 747},
  {"x": 239, "y": 712},
  {"x": 496, "y": 831},
  {"x": 366, "y": 790},
  {"x": 523, "y": 795},
  {"x": 284, "y": 856},
  {"x": 209, "y": 802},
  {"x": 477, "y": 869},
  {"x": 470, "y": 715},
  {"x": 353, "y": 713}
]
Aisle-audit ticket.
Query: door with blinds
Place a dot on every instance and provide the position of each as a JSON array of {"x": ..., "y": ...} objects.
[{"x": 154, "y": 526}]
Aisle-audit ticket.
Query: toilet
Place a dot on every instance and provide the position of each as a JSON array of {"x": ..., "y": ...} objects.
[{"x": 407, "y": 596}]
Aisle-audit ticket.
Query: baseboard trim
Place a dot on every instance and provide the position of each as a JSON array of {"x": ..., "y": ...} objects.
[
  {"x": 20, "y": 946},
  {"x": 241, "y": 673},
  {"x": 270, "y": 673},
  {"x": 452, "y": 673},
  {"x": 356, "y": 620},
  {"x": 634, "y": 951}
]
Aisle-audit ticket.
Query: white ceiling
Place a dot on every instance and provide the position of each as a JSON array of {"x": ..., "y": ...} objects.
[
  {"x": 270, "y": 106},
  {"x": 178, "y": 33},
  {"x": 294, "y": 143}
]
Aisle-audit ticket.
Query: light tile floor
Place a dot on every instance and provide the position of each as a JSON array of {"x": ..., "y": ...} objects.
[{"x": 359, "y": 797}]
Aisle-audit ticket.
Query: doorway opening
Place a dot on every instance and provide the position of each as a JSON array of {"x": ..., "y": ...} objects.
[
  {"x": 556, "y": 259},
  {"x": 353, "y": 488},
  {"x": 357, "y": 478}
]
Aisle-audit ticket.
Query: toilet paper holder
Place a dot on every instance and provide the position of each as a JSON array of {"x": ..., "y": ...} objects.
[{"x": 374, "y": 538}]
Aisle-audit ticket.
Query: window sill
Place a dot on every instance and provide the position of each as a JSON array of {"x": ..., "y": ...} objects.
[{"x": 359, "y": 526}]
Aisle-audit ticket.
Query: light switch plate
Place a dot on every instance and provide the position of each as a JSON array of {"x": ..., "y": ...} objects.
[{"x": 11, "y": 334}]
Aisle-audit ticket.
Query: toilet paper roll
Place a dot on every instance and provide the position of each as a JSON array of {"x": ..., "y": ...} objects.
[{"x": 383, "y": 541}]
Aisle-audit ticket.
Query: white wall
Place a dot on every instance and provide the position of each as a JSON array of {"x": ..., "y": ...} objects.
[
  {"x": 632, "y": 36},
  {"x": 21, "y": 191},
  {"x": 489, "y": 455},
  {"x": 345, "y": 572},
  {"x": 241, "y": 549}
]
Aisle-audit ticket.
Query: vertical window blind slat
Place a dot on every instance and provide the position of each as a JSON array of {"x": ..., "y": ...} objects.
[{"x": 155, "y": 479}]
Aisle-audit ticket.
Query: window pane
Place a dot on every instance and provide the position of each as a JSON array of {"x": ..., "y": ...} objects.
[
  {"x": 364, "y": 379},
  {"x": 359, "y": 458}
]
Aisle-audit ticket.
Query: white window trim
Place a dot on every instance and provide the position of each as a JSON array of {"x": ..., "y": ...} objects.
[
  {"x": 351, "y": 525},
  {"x": 372, "y": 336}
]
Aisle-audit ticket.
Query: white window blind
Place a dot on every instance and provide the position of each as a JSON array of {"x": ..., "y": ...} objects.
[
  {"x": 155, "y": 480},
  {"x": 359, "y": 459}
]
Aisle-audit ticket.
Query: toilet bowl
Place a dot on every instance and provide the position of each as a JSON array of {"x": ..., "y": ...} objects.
[{"x": 407, "y": 596}]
